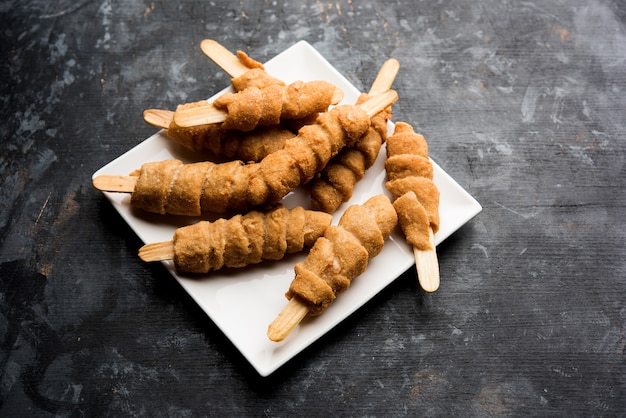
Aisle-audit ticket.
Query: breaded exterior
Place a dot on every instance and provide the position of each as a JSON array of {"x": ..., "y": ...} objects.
[
  {"x": 343, "y": 253},
  {"x": 410, "y": 175},
  {"x": 237, "y": 186},
  {"x": 246, "y": 239}
]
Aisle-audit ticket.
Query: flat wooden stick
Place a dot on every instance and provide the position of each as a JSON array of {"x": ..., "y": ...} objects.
[
  {"x": 126, "y": 184},
  {"x": 385, "y": 77},
  {"x": 292, "y": 314},
  {"x": 200, "y": 115},
  {"x": 378, "y": 103},
  {"x": 157, "y": 251},
  {"x": 209, "y": 114},
  {"x": 159, "y": 118},
  {"x": 113, "y": 183},
  {"x": 427, "y": 266},
  {"x": 226, "y": 60}
]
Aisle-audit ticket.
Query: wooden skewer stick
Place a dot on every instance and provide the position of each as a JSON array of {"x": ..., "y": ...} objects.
[
  {"x": 159, "y": 118},
  {"x": 126, "y": 184},
  {"x": 226, "y": 60},
  {"x": 157, "y": 251},
  {"x": 113, "y": 183},
  {"x": 427, "y": 266},
  {"x": 209, "y": 114},
  {"x": 386, "y": 76},
  {"x": 292, "y": 314},
  {"x": 200, "y": 115}
]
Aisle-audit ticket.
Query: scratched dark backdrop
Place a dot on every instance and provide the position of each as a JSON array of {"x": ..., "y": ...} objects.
[{"x": 523, "y": 103}]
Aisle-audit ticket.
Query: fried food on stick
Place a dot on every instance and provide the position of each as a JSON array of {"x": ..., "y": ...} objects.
[
  {"x": 246, "y": 146},
  {"x": 252, "y": 107},
  {"x": 410, "y": 174},
  {"x": 188, "y": 189},
  {"x": 251, "y": 146},
  {"x": 336, "y": 182},
  {"x": 336, "y": 258},
  {"x": 241, "y": 240}
]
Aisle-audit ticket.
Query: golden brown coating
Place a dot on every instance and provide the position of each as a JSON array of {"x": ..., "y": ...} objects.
[
  {"x": 255, "y": 77},
  {"x": 343, "y": 253},
  {"x": 252, "y": 146},
  {"x": 246, "y": 239},
  {"x": 249, "y": 62},
  {"x": 239, "y": 186},
  {"x": 266, "y": 106},
  {"x": 410, "y": 175},
  {"x": 336, "y": 182}
]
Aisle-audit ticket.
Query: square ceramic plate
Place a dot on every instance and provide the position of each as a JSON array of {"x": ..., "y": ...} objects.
[{"x": 243, "y": 302}]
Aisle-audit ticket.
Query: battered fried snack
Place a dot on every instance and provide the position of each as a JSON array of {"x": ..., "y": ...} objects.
[
  {"x": 409, "y": 170},
  {"x": 252, "y": 107},
  {"x": 241, "y": 240},
  {"x": 336, "y": 258},
  {"x": 410, "y": 174},
  {"x": 233, "y": 145},
  {"x": 212, "y": 137},
  {"x": 251, "y": 146},
  {"x": 172, "y": 187},
  {"x": 336, "y": 182}
]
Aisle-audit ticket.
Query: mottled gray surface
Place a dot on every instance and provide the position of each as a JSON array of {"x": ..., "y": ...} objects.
[{"x": 523, "y": 103}]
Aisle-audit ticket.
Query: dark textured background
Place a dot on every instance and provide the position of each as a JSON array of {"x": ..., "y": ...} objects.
[{"x": 523, "y": 103}]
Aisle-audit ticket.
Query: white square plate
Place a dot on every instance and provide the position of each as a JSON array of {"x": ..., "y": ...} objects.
[{"x": 243, "y": 302}]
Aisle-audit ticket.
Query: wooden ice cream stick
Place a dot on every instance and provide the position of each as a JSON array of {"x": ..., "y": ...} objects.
[
  {"x": 159, "y": 118},
  {"x": 221, "y": 56},
  {"x": 114, "y": 183},
  {"x": 157, "y": 251},
  {"x": 289, "y": 317},
  {"x": 385, "y": 77},
  {"x": 201, "y": 115},
  {"x": 427, "y": 266}
]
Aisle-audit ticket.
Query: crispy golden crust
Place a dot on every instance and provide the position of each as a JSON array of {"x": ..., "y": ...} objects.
[
  {"x": 249, "y": 146},
  {"x": 246, "y": 146},
  {"x": 239, "y": 186},
  {"x": 246, "y": 239},
  {"x": 410, "y": 175},
  {"x": 343, "y": 253},
  {"x": 336, "y": 182},
  {"x": 255, "y": 77},
  {"x": 265, "y": 106}
]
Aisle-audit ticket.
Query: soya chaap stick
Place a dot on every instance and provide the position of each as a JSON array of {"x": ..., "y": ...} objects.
[
  {"x": 410, "y": 180},
  {"x": 230, "y": 144},
  {"x": 242, "y": 110},
  {"x": 241, "y": 240},
  {"x": 252, "y": 107},
  {"x": 336, "y": 258},
  {"x": 189, "y": 189},
  {"x": 336, "y": 182},
  {"x": 246, "y": 146}
]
